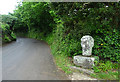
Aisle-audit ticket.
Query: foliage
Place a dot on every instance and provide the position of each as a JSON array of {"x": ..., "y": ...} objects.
[
  {"x": 110, "y": 75},
  {"x": 106, "y": 70},
  {"x": 62, "y": 62},
  {"x": 8, "y": 19},
  {"x": 70, "y": 21},
  {"x": 73, "y": 20},
  {"x": 36, "y": 17},
  {"x": 7, "y": 34},
  {"x": 105, "y": 66},
  {"x": 107, "y": 44},
  {"x": 6, "y": 23},
  {"x": 61, "y": 59}
]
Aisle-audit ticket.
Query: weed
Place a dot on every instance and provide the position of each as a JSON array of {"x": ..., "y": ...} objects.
[{"x": 106, "y": 76}]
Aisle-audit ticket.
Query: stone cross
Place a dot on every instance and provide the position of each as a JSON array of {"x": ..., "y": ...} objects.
[{"x": 87, "y": 42}]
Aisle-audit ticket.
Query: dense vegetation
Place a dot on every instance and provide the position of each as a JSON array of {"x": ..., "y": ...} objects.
[
  {"x": 6, "y": 23},
  {"x": 68, "y": 22},
  {"x": 100, "y": 20},
  {"x": 36, "y": 19},
  {"x": 63, "y": 24}
]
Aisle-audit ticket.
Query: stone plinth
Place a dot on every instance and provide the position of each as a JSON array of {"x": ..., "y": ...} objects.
[{"x": 85, "y": 62}]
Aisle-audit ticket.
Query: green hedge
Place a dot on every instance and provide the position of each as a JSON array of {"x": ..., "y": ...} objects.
[
  {"x": 107, "y": 44},
  {"x": 7, "y": 34}
]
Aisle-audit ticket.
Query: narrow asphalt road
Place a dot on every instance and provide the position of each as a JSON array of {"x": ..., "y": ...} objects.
[{"x": 29, "y": 59}]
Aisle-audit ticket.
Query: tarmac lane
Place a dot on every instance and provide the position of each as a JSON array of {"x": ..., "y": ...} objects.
[{"x": 29, "y": 59}]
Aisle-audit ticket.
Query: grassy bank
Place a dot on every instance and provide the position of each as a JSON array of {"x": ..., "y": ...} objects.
[
  {"x": 106, "y": 70},
  {"x": 110, "y": 75},
  {"x": 62, "y": 61}
]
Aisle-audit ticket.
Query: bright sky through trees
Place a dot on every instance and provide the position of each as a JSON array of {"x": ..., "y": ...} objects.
[{"x": 7, "y": 6}]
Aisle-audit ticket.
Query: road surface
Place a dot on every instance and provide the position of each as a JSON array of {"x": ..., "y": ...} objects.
[{"x": 29, "y": 59}]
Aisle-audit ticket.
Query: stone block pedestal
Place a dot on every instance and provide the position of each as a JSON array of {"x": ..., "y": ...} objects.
[{"x": 85, "y": 62}]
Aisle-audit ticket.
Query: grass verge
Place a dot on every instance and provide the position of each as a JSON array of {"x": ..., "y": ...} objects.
[
  {"x": 106, "y": 70},
  {"x": 62, "y": 61},
  {"x": 110, "y": 75}
]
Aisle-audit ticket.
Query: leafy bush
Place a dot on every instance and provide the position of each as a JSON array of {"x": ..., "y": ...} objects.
[
  {"x": 7, "y": 34},
  {"x": 107, "y": 44}
]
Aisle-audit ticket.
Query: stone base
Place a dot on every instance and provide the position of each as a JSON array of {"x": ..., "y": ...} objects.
[{"x": 85, "y": 62}]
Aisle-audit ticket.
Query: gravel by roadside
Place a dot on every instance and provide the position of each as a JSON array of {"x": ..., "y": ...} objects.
[{"x": 80, "y": 76}]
